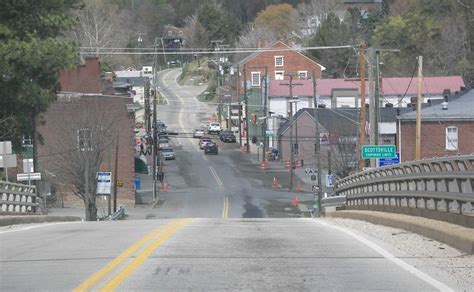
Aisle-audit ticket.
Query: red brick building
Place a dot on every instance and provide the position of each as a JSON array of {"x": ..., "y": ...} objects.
[
  {"x": 281, "y": 59},
  {"x": 446, "y": 129},
  {"x": 80, "y": 107}
]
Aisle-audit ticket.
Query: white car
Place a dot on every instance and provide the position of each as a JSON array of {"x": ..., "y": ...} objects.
[
  {"x": 214, "y": 128},
  {"x": 198, "y": 133},
  {"x": 203, "y": 142}
]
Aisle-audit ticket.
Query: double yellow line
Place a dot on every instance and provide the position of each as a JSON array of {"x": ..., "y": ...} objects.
[
  {"x": 225, "y": 209},
  {"x": 157, "y": 237}
]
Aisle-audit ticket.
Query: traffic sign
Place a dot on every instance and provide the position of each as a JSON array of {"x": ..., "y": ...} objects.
[
  {"x": 389, "y": 161},
  {"x": 104, "y": 182},
  {"x": 329, "y": 181},
  {"x": 310, "y": 170},
  {"x": 378, "y": 151},
  {"x": 28, "y": 176}
]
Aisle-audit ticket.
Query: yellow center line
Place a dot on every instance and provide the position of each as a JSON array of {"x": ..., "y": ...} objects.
[
  {"x": 138, "y": 261},
  {"x": 225, "y": 209},
  {"x": 99, "y": 275},
  {"x": 216, "y": 177}
]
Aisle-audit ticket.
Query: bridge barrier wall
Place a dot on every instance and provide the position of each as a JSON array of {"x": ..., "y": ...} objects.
[
  {"x": 438, "y": 188},
  {"x": 17, "y": 198}
]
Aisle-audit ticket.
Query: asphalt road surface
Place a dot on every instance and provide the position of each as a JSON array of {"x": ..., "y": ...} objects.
[
  {"x": 227, "y": 185},
  {"x": 202, "y": 255}
]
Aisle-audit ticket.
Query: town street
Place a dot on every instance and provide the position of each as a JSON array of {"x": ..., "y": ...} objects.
[{"x": 230, "y": 184}]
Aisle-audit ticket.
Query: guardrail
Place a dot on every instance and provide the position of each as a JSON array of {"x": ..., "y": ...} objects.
[
  {"x": 335, "y": 201},
  {"x": 439, "y": 184},
  {"x": 117, "y": 215},
  {"x": 17, "y": 198}
]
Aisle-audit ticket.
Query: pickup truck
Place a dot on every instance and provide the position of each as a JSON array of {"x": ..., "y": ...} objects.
[{"x": 214, "y": 128}]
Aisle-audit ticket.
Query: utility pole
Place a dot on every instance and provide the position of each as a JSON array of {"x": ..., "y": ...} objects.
[
  {"x": 147, "y": 104},
  {"x": 292, "y": 146},
  {"x": 240, "y": 105},
  {"x": 372, "y": 101},
  {"x": 264, "y": 124},
  {"x": 362, "y": 115},
  {"x": 246, "y": 111},
  {"x": 317, "y": 147},
  {"x": 155, "y": 146},
  {"x": 115, "y": 172},
  {"x": 418, "y": 109},
  {"x": 377, "y": 96}
]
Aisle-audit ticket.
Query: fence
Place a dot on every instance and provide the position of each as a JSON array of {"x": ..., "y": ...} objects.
[
  {"x": 439, "y": 184},
  {"x": 17, "y": 198}
]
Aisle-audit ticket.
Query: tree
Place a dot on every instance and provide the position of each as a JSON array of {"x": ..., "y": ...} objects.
[
  {"x": 80, "y": 146},
  {"x": 101, "y": 24},
  {"x": 280, "y": 19},
  {"x": 32, "y": 53},
  {"x": 311, "y": 14},
  {"x": 218, "y": 24},
  {"x": 334, "y": 32}
]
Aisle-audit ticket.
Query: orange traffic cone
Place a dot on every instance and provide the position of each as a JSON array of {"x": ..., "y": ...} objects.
[
  {"x": 296, "y": 202},
  {"x": 164, "y": 187},
  {"x": 276, "y": 183},
  {"x": 298, "y": 186}
]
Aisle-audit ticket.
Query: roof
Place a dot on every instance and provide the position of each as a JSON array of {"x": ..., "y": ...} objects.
[
  {"x": 344, "y": 121},
  {"x": 275, "y": 44},
  {"x": 390, "y": 86},
  {"x": 134, "y": 81},
  {"x": 459, "y": 108}
]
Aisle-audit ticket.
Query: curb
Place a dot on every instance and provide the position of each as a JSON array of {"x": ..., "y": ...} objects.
[
  {"x": 12, "y": 220},
  {"x": 456, "y": 236}
]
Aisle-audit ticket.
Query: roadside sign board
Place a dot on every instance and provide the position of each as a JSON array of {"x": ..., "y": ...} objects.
[
  {"x": 104, "y": 182},
  {"x": 28, "y": 176},
  {"x": 329, "y": 181},
  {"x": 378, "y": 151},
  {"x": 5, "y": 147},
  {"x": 8, "y": 160},
  {"x": 389, "y": 161},
  {"x": 310, "y": 170}
]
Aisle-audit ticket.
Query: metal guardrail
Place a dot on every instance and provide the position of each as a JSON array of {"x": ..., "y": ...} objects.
[
  {"x": 117, "y": 215},
  {"x": 440, "y": 184},
  {"x": 17, "y": 198},
  {"x": 335, "y": 201}
]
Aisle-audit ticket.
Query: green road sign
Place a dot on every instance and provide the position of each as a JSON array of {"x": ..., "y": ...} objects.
[{"x": 378, "y": 151}]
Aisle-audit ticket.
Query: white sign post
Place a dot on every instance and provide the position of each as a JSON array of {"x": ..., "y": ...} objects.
[{"x": 7, "y": 159}]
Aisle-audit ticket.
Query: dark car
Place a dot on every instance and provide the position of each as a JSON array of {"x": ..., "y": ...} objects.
[
  {"x": 211, "y": 148},
  {"x": 227, "y": 137}
]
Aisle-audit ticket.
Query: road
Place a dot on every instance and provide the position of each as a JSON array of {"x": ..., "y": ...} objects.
[
  {"x": 221, "y": 226},
  {"x": 228, "y": 185},
  {"x": 202, "y": 255}
]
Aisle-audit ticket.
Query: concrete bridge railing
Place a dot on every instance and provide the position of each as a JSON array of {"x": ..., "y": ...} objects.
[
  {"x": 434, "y": 186},
  {"x": 17, "y": 198}
]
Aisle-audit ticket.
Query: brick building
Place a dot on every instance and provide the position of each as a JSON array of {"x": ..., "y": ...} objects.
[
  {"x": 446, "y": 129},
  {"x": 278, "y": 60},
  {"x": 81, "y": 106}
]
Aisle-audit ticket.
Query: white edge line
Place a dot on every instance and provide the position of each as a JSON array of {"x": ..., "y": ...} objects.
[
  {"x": 404, "y": 265},
  {"x": 37, "y": 226}
]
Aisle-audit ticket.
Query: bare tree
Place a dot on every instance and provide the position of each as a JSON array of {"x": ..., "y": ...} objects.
[
  {"x": 7, "y": 126},
  {"x": 80, "y": 147},
  {"x": 101, "y": 24},
  {"x": 197, "y": 36},
  {"x": 254, "y": 36}
]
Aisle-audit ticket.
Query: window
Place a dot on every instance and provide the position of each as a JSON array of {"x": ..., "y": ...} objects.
[
  {"x": 256, "y": 79},
  {"x": 279, "y": 75},
  {"x": 279, "y": 61},
  {"x": 451, "y": 138},
  {"x": 84, "y": 139},
  {"x": 303, "y": 75}
]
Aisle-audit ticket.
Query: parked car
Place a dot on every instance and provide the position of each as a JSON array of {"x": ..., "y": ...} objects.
[
  {"x": 214, "y": 128},
  {"x": 203, "y": 142},
  {"x": 211, "y": 148},
  {"x": 198, "y": 133},
  {"x": 227, "y": 136},
  {"x": 163, "y": 143},
  {"x": 168, "y": 153}
]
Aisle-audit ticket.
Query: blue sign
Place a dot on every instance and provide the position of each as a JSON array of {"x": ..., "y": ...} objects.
[
  {"x": 138, "y": 183},
  {"x": 389, "y": 161}
]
